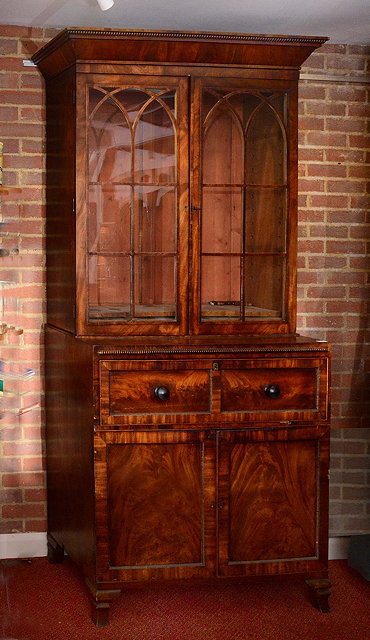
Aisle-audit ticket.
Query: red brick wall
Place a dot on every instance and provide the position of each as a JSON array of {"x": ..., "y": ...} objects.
[
  {"x": 332, "y": 267},
  {"x": 334, "y": 259},
  {"x": 22, "y": 486}
]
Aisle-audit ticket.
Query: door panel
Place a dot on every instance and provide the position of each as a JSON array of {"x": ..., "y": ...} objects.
[
  {"x": 272, "y": 501},
  {"x": 269, "y": 501},
  {"x": 155, "y": 504},
  {"x": 153, "y": 490}
]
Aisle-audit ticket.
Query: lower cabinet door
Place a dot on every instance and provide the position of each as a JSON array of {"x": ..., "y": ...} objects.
[
  {"x": 272, "y": 501},
  {"x": 152, "y": 490}
]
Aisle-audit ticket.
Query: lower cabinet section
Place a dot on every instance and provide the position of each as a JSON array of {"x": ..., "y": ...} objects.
[
  {"x": 234, "y": 486},
  {"x": 204, "y": 503}
]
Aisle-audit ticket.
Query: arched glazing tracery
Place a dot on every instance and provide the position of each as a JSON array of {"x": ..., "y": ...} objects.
[
  {"x": 132, "y": 232},
  {"x": 244, "y": 203}
]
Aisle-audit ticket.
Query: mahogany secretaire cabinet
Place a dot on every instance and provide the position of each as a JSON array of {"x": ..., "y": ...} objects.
[{"x": 187, "y": 423}]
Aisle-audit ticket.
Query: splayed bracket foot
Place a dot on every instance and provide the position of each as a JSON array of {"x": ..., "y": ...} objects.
[{"x": 320, "y": 589}]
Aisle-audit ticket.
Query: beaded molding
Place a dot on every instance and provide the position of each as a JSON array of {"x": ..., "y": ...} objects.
[
  {"x": 188, "y": 35},
  {"x": 200, "y": 350}
]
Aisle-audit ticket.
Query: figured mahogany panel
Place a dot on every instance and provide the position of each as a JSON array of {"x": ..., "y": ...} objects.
[
  {"x": 155, "y": 504},
  {"x": 248, "y": 390},
  {"x": 272, "y": 501},
  {"x": 269, "y": 495},
  {"x": 139, "y": 392}
]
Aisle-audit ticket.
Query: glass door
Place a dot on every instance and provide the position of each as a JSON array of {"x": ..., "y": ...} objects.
[
  {"x": 136, "y": 251},
  {"x": 241, "y": 206}
]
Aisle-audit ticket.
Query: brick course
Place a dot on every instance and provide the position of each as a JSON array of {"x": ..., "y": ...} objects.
[
  {"x": 337, "y": 156},
  {"x": 333, "y": 264},
  {"x": 22, "y": 131}
]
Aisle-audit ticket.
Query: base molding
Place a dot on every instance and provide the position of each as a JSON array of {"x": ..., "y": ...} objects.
[
  {"x": 34, "y": 545},
  {"x": 338, "y": 548},
  {"x": 23, "y": 545}
]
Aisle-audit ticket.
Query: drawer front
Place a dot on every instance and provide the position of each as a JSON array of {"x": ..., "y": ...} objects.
[
  {"x": 168, "y": 394},
  {"x": 126, "y": 393},
  {"x": 272, "y": 386}
]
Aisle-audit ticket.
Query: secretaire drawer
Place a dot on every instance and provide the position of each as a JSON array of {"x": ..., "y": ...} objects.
[
  {"x": 151, "y": 388},
  {"x": 294, "y": 386},
  {"x": 223, "y": 392}
]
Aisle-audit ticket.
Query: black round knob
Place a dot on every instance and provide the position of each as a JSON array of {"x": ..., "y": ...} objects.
[
  {"x": 162, "y": 393},
  {"x": 272, "y": 390}
]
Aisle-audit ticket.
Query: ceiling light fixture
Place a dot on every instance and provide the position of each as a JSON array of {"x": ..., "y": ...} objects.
[{"x": 105, "y": 4}]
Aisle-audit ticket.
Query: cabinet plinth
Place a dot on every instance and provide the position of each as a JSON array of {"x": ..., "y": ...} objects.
[{"x": 188, "y": 424}]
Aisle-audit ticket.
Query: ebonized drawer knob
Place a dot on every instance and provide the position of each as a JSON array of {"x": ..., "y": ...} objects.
[
  {"x": 162, "y": 393},
  {"x": 272, "y": 390}
]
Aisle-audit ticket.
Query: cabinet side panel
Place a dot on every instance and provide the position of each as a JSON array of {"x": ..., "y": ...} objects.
[
  {"x": 60, "y": 226},
  {"x": 70, "y": 476},
  {"x": 155, "y": 494}
]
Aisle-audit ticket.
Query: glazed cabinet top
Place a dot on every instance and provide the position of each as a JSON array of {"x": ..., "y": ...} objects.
[{"x": 172, "y": 182}]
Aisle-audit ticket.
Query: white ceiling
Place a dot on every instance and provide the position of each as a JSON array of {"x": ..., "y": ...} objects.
[{"x": 344, "y": 21}]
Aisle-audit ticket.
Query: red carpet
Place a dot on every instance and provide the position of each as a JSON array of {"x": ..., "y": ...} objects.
[{"x": 49, "y": 602}]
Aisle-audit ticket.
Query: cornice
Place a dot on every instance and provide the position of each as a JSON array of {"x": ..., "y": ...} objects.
[{"x": 71, "y": 34}]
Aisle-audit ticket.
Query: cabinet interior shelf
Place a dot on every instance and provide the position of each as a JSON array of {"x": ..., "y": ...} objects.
[{"x": 112, "y": 312}]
